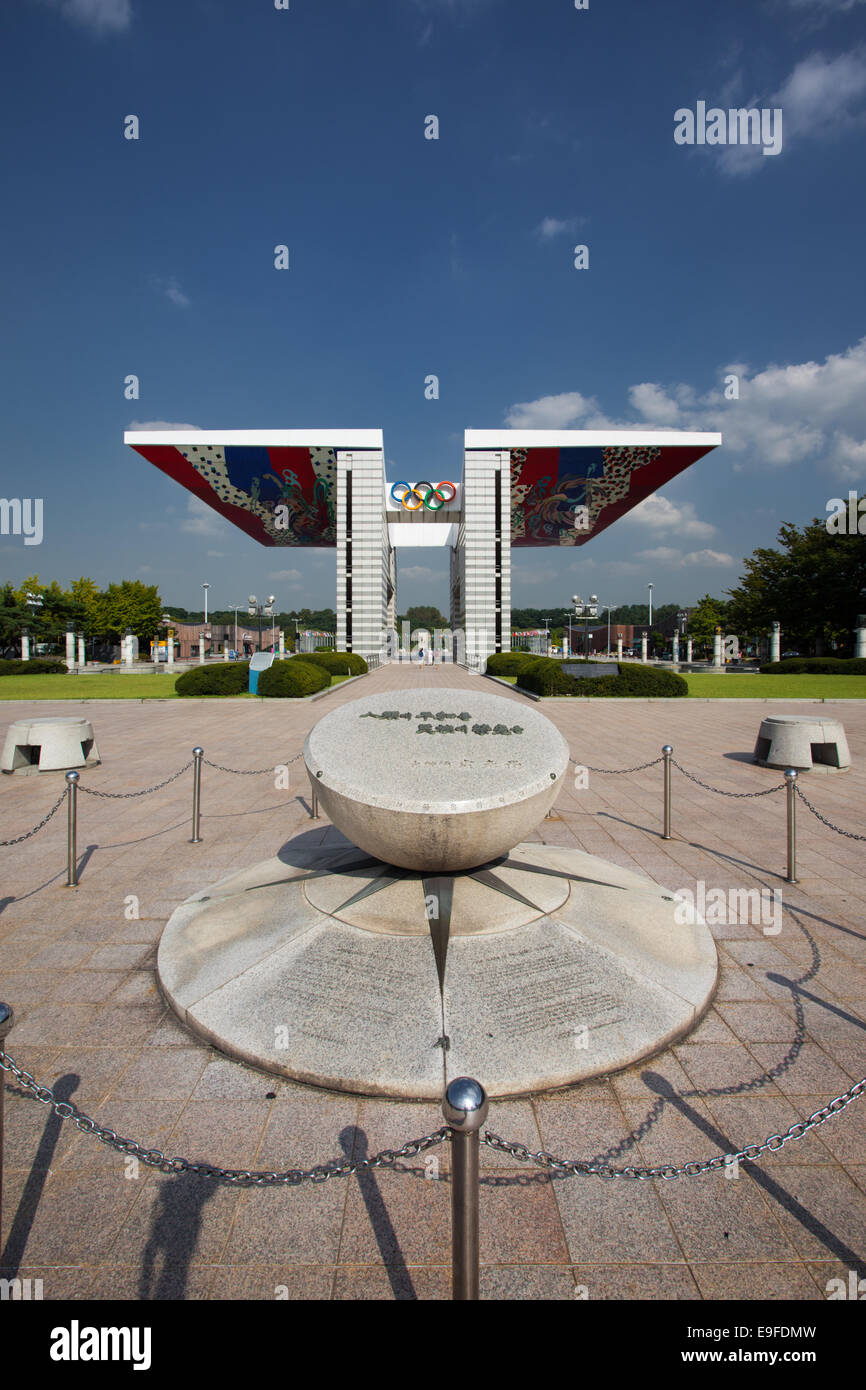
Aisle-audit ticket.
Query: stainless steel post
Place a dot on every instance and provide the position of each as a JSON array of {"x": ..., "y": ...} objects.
[
  {"x": 72, "y": 830},
  {"x": 791, "y": 779},
  {"x": 314, "y": 799},
  {"x": 465, "y": 1110},
  {"x": 668, "y": 754},
  {"x": 197, "y": 754}
]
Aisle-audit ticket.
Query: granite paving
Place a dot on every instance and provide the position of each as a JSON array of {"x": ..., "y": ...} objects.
[{"x": 784, "y": 1035}]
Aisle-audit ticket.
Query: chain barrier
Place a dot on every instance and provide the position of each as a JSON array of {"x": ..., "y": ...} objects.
[
  {"x": 574, "y": 1167},
  {"x": 44, "y": 821},
  {"x": 251, "y": 771},
  {"x": 126, "y": 796},
  {"x": 768, "y": 791},
  {"x": 849, "y": 834},
  {"x": 155, "y": 1158},
  {"x": 617, "y": 770}
]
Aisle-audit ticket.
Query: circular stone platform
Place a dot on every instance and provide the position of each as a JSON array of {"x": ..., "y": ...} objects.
[
  {"x": 435, "y": 779},
  {"x": 540, "y": 968}
]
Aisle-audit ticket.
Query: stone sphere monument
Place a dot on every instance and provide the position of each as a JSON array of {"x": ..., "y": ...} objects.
[{"x": 424, "y": 937}]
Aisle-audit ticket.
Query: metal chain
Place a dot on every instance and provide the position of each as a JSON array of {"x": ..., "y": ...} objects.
[
  {"x": 617, "y": 769},
  {"x": 815, "y": 812},
  {"x": 577, "y": 1167},
  {"x": 126, "y": 796},
  {"x": 768, "y": 791},
  {"x": 45, "y": 819},
  {"x": 155, "y": 1158},
  {"x": 250, "y": 771}
]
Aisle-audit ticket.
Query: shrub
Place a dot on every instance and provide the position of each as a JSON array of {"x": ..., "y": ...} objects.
[
  {"x": 338, "y": 663},
  {"x": 38, "y": 666},
  {"x": 293, "y": 679},
  {"x": 229, "y": 678},
  {"x": 544, "y": 676},
  {"x": 815, "y": 666},
  {"x": 509, "y": 663}
]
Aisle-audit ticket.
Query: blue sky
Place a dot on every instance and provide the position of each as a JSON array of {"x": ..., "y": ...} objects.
[{"x": 410, "y": 256}]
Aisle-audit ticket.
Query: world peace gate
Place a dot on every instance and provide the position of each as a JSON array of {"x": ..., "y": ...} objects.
[{"x": 327, "y": 488}]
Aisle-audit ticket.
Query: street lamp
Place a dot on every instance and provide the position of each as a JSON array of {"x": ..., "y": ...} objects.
[
  {"x": 585, "y": 611},
  {"x": 649, "y": 631},
  {"x": 256, "y": 609},
  {"x": 205, "y": 587}
]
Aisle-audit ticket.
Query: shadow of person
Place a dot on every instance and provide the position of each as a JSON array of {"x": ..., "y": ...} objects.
[{"x": 174, "y": 1235}]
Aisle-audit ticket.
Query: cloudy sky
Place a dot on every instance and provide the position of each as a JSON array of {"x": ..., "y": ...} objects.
[{"x": 305, "y": 126}]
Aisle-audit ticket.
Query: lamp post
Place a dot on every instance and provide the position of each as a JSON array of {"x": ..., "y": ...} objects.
[
  {"x": 256, "y": 609},
  {"x": 649, "y": 630},
  {"x": 205, "y": 587},
  {"x": 585, "y": 611}
]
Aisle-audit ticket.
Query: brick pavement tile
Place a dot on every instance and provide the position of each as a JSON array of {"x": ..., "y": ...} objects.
[
  {"x": 823, "y": 1211},
  {"x": 269, "y": 1283},
  {"x": 60, "y": 1283},
  {"x": 393, "y": 1283},
  {"x": 759, "y": 1023},
  {"x": 395, "y": 1218},
  {"x": 812, "y": 1071},
  {"x": 710, "y": 1067},
  {"x": 289, "y": 1226},
  {"x": 755, "y": 1282},
  {"x": 632, "y": 1282},
  {"x": 221, "y": 1132},
  {"x": 305, "y": 1130},
  {"x": 516, "y": 1283},
  {"x": 594, "y": 1130},
  {"x": 178, "y": 1219},
  {"x": 823, "y": 1271},
  {"x": 135, "y": 1282},
  {"x": 750, "y": 1119},
  {"x": 614, "y": 1222},
  {"x": 78, "y": 1212},
  {"x": 717, "y": 1219},
  {"x": 148, "y": 1122},
  {"x": 172, "y": 1077}
]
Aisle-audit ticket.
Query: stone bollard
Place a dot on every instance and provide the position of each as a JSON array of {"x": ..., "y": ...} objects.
[{"x": 775, "y": 642}]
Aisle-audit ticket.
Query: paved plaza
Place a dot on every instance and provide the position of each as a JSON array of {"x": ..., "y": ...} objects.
[{"x": 784, "y": 1035}]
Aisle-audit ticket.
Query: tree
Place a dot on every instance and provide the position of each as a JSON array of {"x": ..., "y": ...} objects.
[
  {"x": 707, "y": 616},
  {"x": 426, "y": 617},
  {"x": 815, "y": 586},
  {"x": 130, "y": 606}
]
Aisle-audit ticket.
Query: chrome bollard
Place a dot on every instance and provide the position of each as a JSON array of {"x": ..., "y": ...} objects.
[
  {"x": 668, "y": 754},
  {"x": 465, "y": 1110},
  {"x": 72, "y": 830},
  {"x": 198, "y": 754},
  {"x": 7, "y": 1018},
  {"x": 791, "y": 780},
  {"x": 314, "y": 798}
]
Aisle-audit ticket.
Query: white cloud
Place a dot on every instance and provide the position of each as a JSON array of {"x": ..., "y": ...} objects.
[
  {"x": 103, "y": 16},
  {"x": 291, "y": 577},
  {"x": 418, "y": 572},
  {"x": 551, "y": 227},
  {"x": 169, "y": 286},
  {"x": 785, "y": 415},
  {"x": 666, "y": 555},
  {"x": 202, "y": 520},
  {"x": 661, "y": 514},
  {"x": 556, "y": 413},
  {"x": 819, "y": 98},
  {"x": 154, "y": 425}
]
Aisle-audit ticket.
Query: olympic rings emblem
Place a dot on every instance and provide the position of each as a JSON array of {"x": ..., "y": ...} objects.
[{"x": 423, "y": 497}]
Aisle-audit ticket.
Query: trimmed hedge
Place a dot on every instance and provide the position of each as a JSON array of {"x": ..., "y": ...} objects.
[
  {"x": 338, "y": 663},
  {"x": 39, "y": 666},
  {"x": 509, "y": 663},
  {"x": 545, "y": 676},
  {"x": 815, "y": 666},
  {"x": 229, "y": 678},
  {"x": 294, "y": 679}
]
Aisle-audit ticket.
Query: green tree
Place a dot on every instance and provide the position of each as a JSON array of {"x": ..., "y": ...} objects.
[
  {"x": 814, "y": 585},
  {"x": 707, "y": 616},
  {"x": 130, "y": 606},
  {"x": 426, "y": 617}
]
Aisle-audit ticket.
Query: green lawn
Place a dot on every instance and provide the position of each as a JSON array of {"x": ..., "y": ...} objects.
[
  {"x": 104, "y": 686},
  {"x": 742, "y": 687}
]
